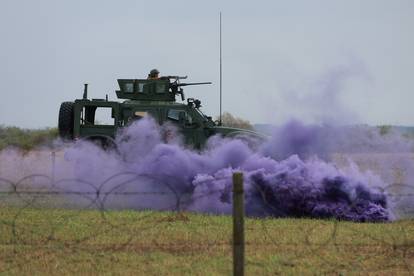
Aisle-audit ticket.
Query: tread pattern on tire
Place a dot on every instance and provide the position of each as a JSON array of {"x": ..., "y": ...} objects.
[{"x": 66, "y": 117}]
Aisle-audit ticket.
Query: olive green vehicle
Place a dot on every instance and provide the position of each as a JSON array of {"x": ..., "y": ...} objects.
[{"x": 143, "y": 97}]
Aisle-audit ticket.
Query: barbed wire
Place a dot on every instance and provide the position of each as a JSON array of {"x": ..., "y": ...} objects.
[{"x": 44, "y": 195}]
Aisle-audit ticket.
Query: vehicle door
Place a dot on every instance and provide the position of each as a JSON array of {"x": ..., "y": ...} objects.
[
  {"x": 96, "y": 118},
  {"x": 134, "y": 113},
  {"x": 184, "y": 121}
]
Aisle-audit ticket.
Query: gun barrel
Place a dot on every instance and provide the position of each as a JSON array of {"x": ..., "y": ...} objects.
[{"x": 193, "y": 83}]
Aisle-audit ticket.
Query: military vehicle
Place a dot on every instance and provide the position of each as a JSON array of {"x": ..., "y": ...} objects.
[{"x": 143, "y": 97}]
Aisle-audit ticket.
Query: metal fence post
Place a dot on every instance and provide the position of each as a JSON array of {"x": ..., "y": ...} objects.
[{"x": 238, "y": 224}]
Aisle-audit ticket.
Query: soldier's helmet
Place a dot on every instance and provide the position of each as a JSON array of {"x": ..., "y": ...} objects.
[{"x": 154, "y": 73}]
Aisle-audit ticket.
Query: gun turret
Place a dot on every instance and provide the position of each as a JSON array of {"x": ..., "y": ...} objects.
[{"x": 176, "y": 87}]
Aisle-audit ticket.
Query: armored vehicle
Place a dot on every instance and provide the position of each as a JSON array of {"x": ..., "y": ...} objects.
[{"x": 81, "y": 119}]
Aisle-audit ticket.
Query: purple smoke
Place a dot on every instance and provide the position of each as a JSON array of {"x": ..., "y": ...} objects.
[
  {"x": 201, "y": 181},
  {"x": 294, "y": 137}
]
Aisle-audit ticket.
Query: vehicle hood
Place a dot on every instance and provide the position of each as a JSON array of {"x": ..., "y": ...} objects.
[{"x": 232, "y": 131}]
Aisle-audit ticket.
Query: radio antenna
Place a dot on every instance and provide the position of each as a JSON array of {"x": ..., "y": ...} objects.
[{"x": 221, "y": 77}]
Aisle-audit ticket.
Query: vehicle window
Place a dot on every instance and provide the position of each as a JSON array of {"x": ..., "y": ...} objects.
[
  {"x": 140, "y": 114},
  {"x": 141, "y": 87},
  {"x": 92, "y": 115},
  {"x": 174, "y": 114},
  {"x": 203, "y": 116},
  {"x": 103, "y": 116},
  {"x": 129, "y": 87}
]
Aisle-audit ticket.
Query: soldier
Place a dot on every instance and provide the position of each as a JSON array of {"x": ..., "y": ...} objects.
[{"x": 154, "y": 74}]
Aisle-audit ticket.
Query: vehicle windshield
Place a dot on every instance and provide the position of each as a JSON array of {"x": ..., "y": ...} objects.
[{"x": 205, "y": 117}]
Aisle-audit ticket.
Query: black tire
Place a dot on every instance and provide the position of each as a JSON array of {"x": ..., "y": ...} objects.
[
  {"x": 66, "y": 119},
  {"x": 105, "y": 143}
]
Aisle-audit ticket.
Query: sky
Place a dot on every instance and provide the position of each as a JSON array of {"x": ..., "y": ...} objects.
[{"x": 317, "y": 61}]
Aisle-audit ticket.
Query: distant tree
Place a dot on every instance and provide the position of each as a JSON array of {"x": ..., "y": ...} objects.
[
  {"x": 232, "y": 121},
  {"x": 384, "y": 129}
]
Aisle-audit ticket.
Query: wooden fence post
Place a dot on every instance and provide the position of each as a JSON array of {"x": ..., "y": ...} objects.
[
  {"x": 238, "y": 224},
  {"x": 53, "y": 167}
]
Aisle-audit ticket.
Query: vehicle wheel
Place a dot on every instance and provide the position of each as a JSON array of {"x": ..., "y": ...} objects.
[
  {"x": 105, "y": 143},
  {"x": 65, "y": 124}
]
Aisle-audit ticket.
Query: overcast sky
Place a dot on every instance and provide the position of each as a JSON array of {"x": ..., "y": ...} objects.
[{"x": 320, "y": 61}]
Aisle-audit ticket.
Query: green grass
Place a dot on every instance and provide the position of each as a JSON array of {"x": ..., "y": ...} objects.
[{"x": 62, "y": 242}]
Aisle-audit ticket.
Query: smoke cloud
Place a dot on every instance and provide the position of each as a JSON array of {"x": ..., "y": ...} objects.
[{"x": 293, "y": 174}]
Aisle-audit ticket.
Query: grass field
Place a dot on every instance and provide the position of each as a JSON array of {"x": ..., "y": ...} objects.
[{"x": 62, "y": 242}]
